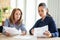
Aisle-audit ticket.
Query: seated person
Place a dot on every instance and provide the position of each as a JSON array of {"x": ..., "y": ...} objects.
[
  {"x": 46, "y": 19},
  {"x": 15, "y": 20},
  {"x": 1, "y": 28}
]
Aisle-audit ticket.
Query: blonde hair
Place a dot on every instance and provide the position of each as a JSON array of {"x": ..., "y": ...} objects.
[{"x": 11, "y": 18}]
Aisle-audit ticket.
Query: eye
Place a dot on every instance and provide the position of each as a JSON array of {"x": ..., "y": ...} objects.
[
  {"x": 19, "y": 13},
  {"x": 16, "y": 13},
  {"x": 42, "y": 10},
  {"x": 38, "y": 10}
]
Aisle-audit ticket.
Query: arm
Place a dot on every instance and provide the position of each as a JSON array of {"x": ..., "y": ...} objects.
[
  {"x": 55, "y": 34},
  {"x": 53, "y": 28},
  {"x": 23, "y": 29},
  {"x": 35, "y": 25},
  {"x": 5, "y": 25}
]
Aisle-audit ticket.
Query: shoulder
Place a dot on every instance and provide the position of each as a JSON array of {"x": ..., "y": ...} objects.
[
  {"x": 49, "y": 17},
  {"x": 38, "y": 20},
  {"x": 7, "y": 20}
]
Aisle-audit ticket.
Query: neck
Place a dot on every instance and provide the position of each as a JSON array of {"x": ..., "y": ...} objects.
[
  {"x": 43, "y": 18},
  {"x": 15, "y": 21}
]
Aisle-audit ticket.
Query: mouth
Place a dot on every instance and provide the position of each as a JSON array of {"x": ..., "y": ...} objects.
[{"x": 40, "y": 14}]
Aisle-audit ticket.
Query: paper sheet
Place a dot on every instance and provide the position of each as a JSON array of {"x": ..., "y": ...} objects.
[
  {"x": 39, "y": 31},
  {"x": 26, "y": 37},
  {"x": 12, "y": 31}
]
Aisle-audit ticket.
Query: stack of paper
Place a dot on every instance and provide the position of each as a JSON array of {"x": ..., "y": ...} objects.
[
  {"x": 40, "y": 30},
  {"x": 12, "y": 31}
]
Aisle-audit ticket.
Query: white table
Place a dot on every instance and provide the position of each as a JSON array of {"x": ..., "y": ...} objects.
[{"x": 3, "y": 37}]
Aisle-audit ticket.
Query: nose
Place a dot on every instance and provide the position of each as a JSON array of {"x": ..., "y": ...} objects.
[{"x": 40, "y": 13}]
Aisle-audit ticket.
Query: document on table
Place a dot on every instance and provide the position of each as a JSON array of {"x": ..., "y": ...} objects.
[
  {"x": 40, "y": 30},
  {"x": 26, "y": 37},
  {"x": 12, "y": 30}
]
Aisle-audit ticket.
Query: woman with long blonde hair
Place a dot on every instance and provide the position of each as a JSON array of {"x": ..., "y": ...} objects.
[{"x": 15, "y": 20}]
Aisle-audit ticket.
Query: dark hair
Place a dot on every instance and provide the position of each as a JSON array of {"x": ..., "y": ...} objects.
[{"x": 44, "y": 5}]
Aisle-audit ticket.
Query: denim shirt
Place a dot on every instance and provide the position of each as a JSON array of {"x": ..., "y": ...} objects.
[{"x": 18, "y": 27}]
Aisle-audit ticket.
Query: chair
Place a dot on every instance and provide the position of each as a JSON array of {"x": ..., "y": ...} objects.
[
  {"x": 1, "y": 28},
  {"x": 59, "y": 31}
]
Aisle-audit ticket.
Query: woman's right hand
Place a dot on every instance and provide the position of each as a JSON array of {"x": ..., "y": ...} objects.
[
  {"x": 23, "y": 33},
  {"x": 7, "y": 33},
  {"x": 32, "y": 31}
]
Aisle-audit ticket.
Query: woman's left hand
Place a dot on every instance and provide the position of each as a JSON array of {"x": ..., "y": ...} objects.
[{"x": 48, "y": 34}]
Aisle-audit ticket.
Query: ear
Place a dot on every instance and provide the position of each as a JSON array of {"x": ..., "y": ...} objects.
[{"x": 47, "y": 10}]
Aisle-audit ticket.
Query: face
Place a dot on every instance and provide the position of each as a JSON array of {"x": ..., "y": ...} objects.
[
  {"x": 17, "y": 15},
  {"x": 42, "y": 11}
]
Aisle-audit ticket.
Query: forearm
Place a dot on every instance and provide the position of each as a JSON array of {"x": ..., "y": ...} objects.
[{"x": 56, "y": 34}]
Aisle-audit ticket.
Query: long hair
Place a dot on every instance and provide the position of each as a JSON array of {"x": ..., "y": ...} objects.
[
  {"x": 11, "y": 18},
  {"x": 44, "y": 5}
]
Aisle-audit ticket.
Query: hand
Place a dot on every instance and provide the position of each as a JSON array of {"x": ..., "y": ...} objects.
[
  {"x": 7, "y": 33},
  {"x": 48, "y": 34},
  {"x": 23, "y": 33},
  {"x": 32, "y": 31}
]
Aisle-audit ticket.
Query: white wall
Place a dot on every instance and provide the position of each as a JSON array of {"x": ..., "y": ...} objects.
[
  {"x": 54, "y": 8},
  {"x": 30, "y": 13},
  {"x": 12, "y": 4}
]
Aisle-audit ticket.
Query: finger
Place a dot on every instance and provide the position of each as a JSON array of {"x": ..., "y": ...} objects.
[
  {"x": 32, "y": 30},
  {"x": 24, "y": 33},
  {"x": 46, "y": 33}
]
